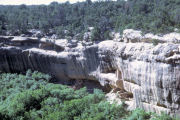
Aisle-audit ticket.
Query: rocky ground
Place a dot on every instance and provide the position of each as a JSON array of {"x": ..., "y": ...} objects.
[{"x": 143, "y": 73}]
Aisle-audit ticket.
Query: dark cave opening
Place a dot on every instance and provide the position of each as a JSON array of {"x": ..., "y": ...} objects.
[
  {"x": 80, "y": 83},
  {"x": 73, "y": 83}
]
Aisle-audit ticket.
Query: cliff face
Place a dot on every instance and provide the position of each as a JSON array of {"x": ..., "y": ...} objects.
[
  {"x": 145, "y": 75},
  {"x": 151, "y": 74}
]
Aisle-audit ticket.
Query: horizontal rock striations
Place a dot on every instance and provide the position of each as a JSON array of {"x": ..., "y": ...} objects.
[{"x": 146, "y": 75}]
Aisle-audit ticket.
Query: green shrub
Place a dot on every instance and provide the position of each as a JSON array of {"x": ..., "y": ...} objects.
[
  {"x": 139, "y": 114},
  {"x": 163, "y": 116},
  {"x": 96, "y": 34},
  {"x": 31, "y": 97},
  {"x": 155, "y": 42}
]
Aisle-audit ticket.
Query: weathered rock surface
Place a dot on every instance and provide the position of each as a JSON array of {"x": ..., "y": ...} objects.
[
  {"x": 146, "y": 75},
  {"x": 130, "y": 35}
]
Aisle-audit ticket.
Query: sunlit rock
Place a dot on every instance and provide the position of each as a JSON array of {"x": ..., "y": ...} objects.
[{"x": 142, "y": 74}]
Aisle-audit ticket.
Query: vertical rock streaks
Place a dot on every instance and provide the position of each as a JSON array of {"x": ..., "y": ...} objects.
[{"x": 150, "y": 74}]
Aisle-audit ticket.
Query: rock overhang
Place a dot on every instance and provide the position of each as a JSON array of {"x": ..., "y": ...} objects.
[{"x": 151, "y": 73}]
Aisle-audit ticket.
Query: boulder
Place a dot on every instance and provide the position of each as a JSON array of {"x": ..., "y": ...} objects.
[
  {"x": 36, "y": 33},
  {"x": 116, "y": 37},
  {"x": 87, "y": 36},
  {"x": 130, "y": 35}
]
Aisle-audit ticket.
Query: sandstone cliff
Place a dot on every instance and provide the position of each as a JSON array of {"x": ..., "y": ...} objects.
[{"x": 147, "y": 76}]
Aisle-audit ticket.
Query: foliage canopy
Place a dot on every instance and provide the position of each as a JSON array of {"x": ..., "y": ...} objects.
[
  {"x": 32, "y": 97},
  {"x": 156, "y": 16}
]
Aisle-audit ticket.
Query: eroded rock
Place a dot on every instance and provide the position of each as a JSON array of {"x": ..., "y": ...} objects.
[
  {"x": 148, "y": 75},
  {"x": 130, "y": 35}
]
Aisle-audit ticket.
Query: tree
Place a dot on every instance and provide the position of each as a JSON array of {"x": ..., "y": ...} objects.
[
  {"x": 149, "y": 16},
  {"x": 107, "y": 35},
  {"x": 2, "y": 23},
  {"x": 89, "y": 2},
  {"x": 177, "y": 16},
  {"x": 96, "y": 34}
]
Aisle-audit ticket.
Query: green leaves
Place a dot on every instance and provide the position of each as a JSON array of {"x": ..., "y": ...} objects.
[
  {"x": 149, "y": 16},
  {"x": 31, "y": 97}
]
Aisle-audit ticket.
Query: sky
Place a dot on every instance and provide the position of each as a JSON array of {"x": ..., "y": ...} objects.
[{"x": 34, "y": 2}]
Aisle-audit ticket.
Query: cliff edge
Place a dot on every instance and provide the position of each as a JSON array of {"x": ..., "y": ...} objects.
[{"x": 143, "y": 74}]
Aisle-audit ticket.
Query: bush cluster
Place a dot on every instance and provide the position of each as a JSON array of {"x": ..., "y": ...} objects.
[{"x": 32, "y": 97}]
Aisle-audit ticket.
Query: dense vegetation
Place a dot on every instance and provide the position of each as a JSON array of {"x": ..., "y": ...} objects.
[
  {"x": 32, "y": 97},
  {"x": 157, "y": 16}
]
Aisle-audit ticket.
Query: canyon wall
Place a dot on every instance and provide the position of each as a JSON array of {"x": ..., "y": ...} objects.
[{"x": 148, "y": 76}]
